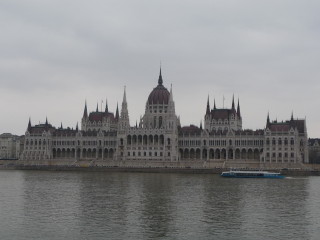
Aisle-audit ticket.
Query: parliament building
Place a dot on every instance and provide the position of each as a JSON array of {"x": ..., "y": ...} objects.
[{"x": 159, "y": 136}]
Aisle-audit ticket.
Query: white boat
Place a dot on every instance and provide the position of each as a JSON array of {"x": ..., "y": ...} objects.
[{"x": 251, "y": 174}]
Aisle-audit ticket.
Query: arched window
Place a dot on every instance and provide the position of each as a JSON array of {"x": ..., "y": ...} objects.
[
  {"x": 160, "y": 121},
  {"x": 292, "y": 141},
  {"x": 154, "y": 121}
]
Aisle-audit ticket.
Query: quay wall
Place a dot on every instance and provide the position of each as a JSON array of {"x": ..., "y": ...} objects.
[{"x": 195, "y": 166}]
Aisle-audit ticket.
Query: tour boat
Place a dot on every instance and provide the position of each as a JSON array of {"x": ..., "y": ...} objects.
[{"x": 251, "y": 174}]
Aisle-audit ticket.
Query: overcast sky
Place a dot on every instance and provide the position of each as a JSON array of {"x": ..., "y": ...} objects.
[{"x": 56, "y": 54}]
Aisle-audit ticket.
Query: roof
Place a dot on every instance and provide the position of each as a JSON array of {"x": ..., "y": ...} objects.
[
  {"x": 313, "y": 141},
  {"x": 64, "y": 132},
  {"x": 159, "y": 95},
  {"x": 287, "y": 125},
  {"x": 98, "y": 116},
  {"x": 40, "y": 128},
  {"x": 192, "y": 129},
  {"x": 222, "y": 113}
]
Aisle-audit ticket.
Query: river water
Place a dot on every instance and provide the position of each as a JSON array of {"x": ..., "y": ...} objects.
[{"x": 103, "y": 205}]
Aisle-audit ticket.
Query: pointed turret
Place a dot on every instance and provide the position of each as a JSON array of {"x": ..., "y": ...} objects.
[
  {"x": 208, "y": 107},
  {"x": 200, "y": 125},
  {"x": 106, "y": 109},
  {"x": 77, "y": 128},
  {"x": 97, "y": 110},
  {"x": 160, "y": 81},
  {"x": 124, "y": 96},
  {"x": 85, "y": 112},
  {"x": 171, "y": 105},
  {"x": 268, "y": 120},
  {"x": 292, "y": 116},
  {"x": 214, "y": 104},
  {"x": 238, "y": 109},
  {"x": 61, "y": 126},
  {"x": 117, "y": 112},
  {"x": 29, "y": 124},
  {"x": 233, "y": 108},
  {"x": 171, "y": 94},
  {"x": 46, "y": 121}
]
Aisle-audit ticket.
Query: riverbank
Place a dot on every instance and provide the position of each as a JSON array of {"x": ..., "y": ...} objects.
[{"x": 198, "y": 167}]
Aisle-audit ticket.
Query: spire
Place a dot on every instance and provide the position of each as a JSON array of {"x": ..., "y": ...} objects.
[
  {"x": 208, "y": 106},
  {"x": 77, "y": 128},
  {"x": 46, "y": 121},
  {"x": 97, "y": 110},
  {"x": 233, "y": 102},
  {"x": 124, "y": 96},
  {"x": 61, "y": 126},
  {"x": 117, "y": 112},
  {"x": 214, "y": 104},
  {"x": 106, "y": 110},
  {"x": 268, "y": 119},
  {"x": 292, "y": 115},
  {"x": 238, "y": 109},
  {"x": 29, "y": 124},
  {"x": 171, "y": 95},
  {"x": 160, "y": 81},
  {"x": 201, "y": 125},
  {"x": 85, "y": 112}
]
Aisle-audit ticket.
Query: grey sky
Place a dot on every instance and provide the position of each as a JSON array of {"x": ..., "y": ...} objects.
[{"x": 56, "y": 54}]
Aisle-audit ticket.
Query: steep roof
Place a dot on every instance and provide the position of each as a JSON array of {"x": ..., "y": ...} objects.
[
  {"x": 222, "y": 113},
  {"x": 287, "y": 125},
  {"x": 98, "y": 116}
]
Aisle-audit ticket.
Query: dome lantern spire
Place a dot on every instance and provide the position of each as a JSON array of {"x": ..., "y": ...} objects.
[{"x": 160, "y": 81}]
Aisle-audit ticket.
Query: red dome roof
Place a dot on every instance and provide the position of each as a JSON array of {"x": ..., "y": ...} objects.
[{"x": 159, "y": 95}]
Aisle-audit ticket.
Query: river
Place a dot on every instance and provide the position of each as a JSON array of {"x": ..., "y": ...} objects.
[{"x": 109, "y": 205}]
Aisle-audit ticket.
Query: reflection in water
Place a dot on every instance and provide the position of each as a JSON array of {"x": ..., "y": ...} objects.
[
  {"x": 156, "y": 204},
  {"x": 89, "y": 205}
]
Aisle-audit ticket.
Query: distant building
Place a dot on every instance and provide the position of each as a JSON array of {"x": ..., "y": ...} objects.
[
  {"x": 9, "y": 146},
  {"x": 159, "y": 136},
  {"x": 314, "y": 150}
]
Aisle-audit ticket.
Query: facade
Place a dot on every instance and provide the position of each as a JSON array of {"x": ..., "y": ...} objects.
[
  {"x": 159, "y": 136},
  {"x": 314, "y": 150},
  {"x": 9, "y": 146}
]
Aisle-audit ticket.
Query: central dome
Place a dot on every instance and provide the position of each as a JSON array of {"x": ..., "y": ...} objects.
[{"x": 159, "y": 95}]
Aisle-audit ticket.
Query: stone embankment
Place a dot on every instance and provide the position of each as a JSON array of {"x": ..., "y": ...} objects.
[{"x": 195, "y": 166}]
